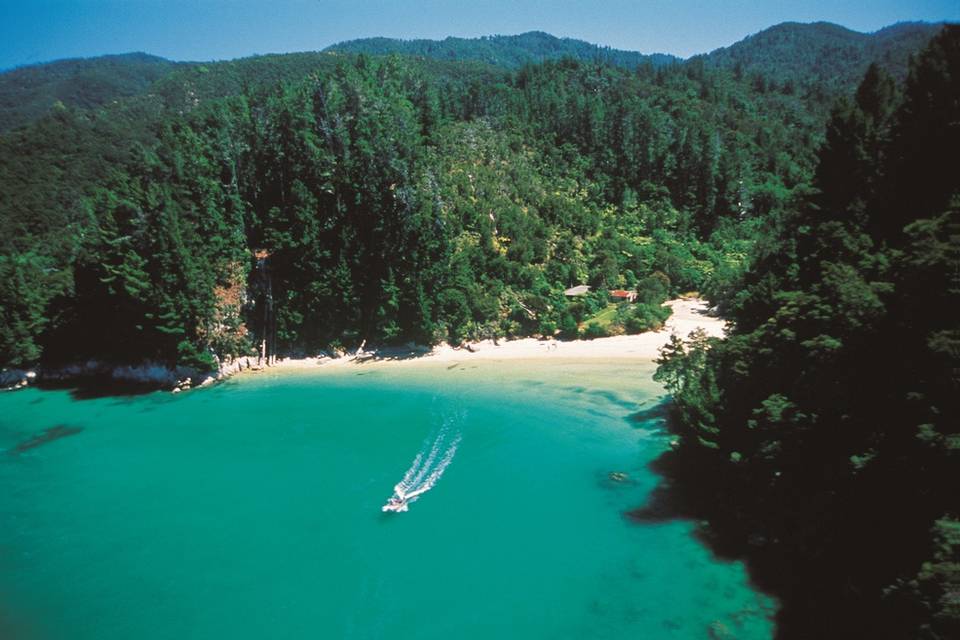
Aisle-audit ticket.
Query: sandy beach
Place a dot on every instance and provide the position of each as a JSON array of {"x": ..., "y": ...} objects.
[{"x": 688, "y": 315}]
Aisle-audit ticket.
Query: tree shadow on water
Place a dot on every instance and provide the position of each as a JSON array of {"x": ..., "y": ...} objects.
[
  {"x": 659, "y": 412},
  {"x": 685, "y": 492},
  {"x": 96, "y": 388},
  {"x": 674, "y": 498}
]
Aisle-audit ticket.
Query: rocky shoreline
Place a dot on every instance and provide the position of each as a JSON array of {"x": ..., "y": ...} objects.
[
  {"x": 152, "y": 376},
  {"x": 149, "y": 375}
]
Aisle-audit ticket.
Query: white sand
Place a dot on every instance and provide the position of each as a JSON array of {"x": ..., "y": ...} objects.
[{"x": 688, "y": 315}]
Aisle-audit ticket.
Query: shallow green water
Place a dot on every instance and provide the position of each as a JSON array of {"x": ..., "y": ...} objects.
[{"x": 252, "y": 510}]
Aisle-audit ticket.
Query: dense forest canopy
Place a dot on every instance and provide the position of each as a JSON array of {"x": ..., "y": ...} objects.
[
  {"x": 804, "y": 179},
  {"x": 28, "y": 92},
  {"x": 821, "y": 57},
  {"x": 511, "y": 52},
  {"x": 389, "y": 198},
  {"x": 829, "y": 419},
  {"x": 805, "y": 56}
]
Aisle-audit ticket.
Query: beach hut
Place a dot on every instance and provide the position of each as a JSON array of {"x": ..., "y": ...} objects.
[{"x": 621, "y": 295}]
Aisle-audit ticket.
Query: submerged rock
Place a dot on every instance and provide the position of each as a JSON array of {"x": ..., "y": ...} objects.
[
  {"x": 720, "y": 631},
  {"x": 51, "y": 434}
]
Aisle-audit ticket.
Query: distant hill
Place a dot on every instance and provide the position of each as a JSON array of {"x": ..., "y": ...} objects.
[
  {"x": 29, "y": 92},
  {"x": 826, "y": 57},
  {"x": 193, "y": 84},
  {"x": 823, "y": 53},
  {"x": 504, "y": 51}
]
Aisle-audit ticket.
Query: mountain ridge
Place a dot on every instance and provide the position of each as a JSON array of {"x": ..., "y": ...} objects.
[
  {"x": 829, "y": 57},
  {"x": 823, "y": 52},
  {"x": 81, "y": 82},
  {"x": 510, "y": 51},
  {"x": 883, "y": 31}
]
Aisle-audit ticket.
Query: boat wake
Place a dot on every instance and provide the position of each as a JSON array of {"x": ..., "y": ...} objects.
[{"x": 427, "y": 467}]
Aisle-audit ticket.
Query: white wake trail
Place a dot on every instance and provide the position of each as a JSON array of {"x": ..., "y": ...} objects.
[
  {"x": 428, "y": 463},
  {"x": 408, "y": 477},
  {"x": 434, "y": 476},
  {"x": 426, "y": 469}
]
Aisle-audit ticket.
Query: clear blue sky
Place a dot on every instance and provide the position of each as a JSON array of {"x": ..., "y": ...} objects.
[{"x": 40, "y": 30}]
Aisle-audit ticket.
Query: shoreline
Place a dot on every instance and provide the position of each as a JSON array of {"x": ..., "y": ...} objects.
[{"x": 688, "y": 315}]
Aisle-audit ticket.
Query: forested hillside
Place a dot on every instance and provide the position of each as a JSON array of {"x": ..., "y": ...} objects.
[
  {"x": 391, "y": 200},
  {"x": 821, "y": 58},
  {"x": 30, "y": 92},
  {"x": 505, "y": 51},
  {"x": 804, "y": 57},
  {"x": 829, "y": 422},
  {"x": 379, "y": 198}
]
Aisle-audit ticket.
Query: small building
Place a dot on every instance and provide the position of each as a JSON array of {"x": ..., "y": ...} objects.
[
  {"x": 579, "y": 290},
  {"x": 622, "y": 294}
]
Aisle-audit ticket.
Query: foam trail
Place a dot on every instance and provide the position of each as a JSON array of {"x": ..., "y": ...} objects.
[
  {"x": 411, "y": 472},
  {"x": 426, "y": 469},
  {"x": 421, "y": 466},
  {"x": 428, "y": 463},
  {"x": 434, "y": 476},
  {"x": 416, "y": 472}
]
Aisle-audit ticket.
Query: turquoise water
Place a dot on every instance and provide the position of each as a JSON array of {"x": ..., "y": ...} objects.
[{"x": 252, "y": 510}]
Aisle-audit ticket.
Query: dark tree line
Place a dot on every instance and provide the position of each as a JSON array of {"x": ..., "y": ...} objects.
[{"x": 829, "y": 420}]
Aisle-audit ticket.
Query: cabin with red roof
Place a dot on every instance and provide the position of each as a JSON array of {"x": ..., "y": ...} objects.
[{"x": 621, "y": 295}]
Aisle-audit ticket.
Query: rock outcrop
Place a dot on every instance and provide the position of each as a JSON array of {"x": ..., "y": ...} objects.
[
  {"x": 150, "y": 375},
  {"x": 11, "y": 379}
]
